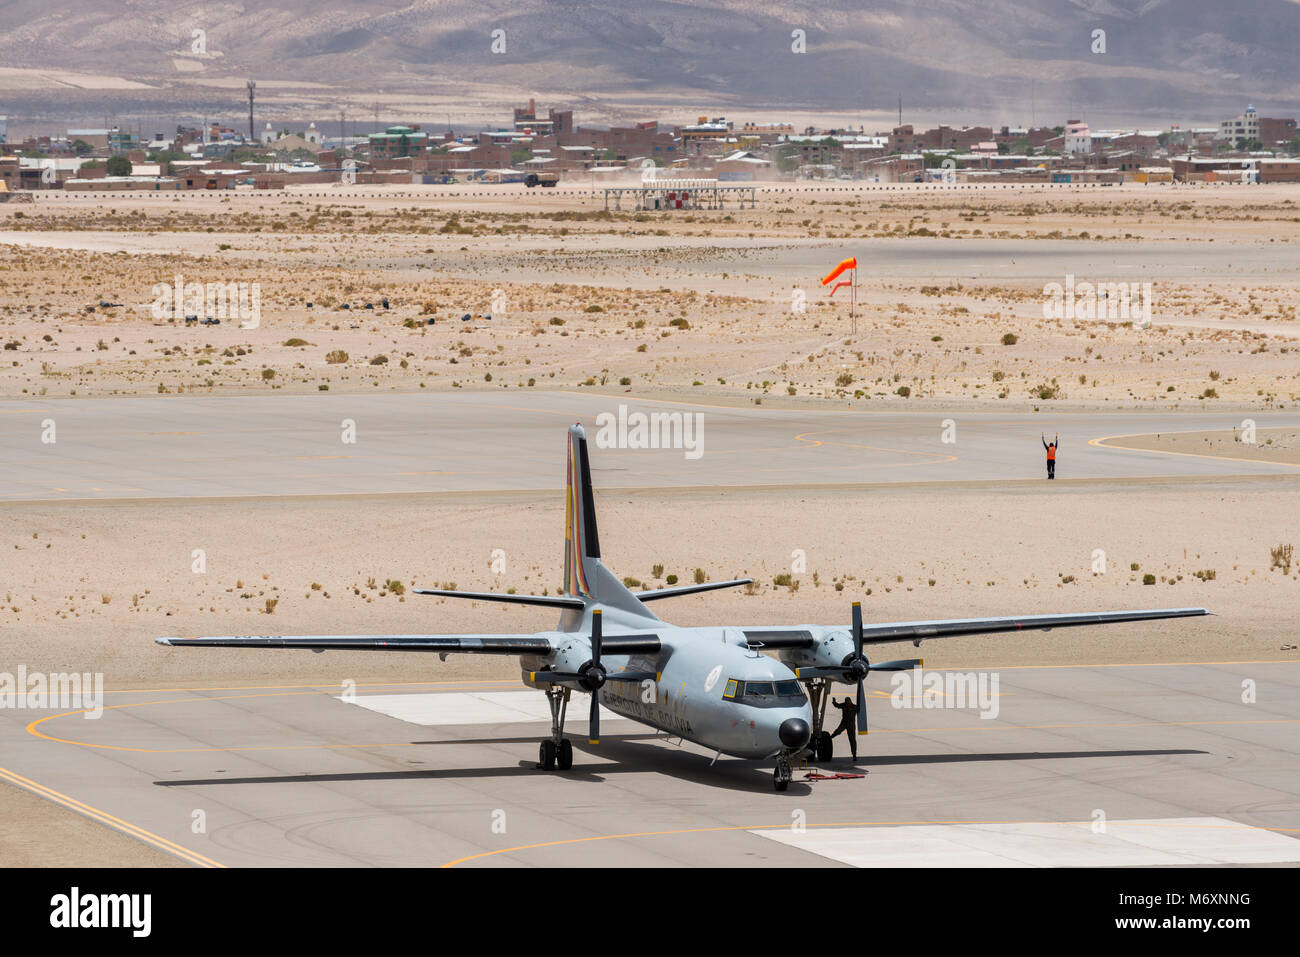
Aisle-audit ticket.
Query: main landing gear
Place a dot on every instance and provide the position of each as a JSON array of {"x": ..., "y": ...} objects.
[
  {"x": 557, "y": 750},
  {"x": 821, "y": 746}
]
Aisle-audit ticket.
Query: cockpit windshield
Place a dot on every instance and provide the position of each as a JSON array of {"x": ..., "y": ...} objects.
[{"x": 765, "y": 693}]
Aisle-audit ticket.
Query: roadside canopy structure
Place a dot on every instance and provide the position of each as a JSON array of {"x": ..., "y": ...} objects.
[{"x": 680, "y": 193}]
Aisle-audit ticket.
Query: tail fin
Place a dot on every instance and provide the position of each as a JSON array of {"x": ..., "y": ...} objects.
[
  {"x": 581, "y": 540},
  {"x": 584, "y": 575}
]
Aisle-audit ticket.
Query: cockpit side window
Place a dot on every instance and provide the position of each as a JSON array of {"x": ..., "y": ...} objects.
[{"x": 732, "y": 687}]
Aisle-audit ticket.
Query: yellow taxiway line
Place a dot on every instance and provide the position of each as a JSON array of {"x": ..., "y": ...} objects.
[
  {"x": 1101, "y": 441},
  {"x": 103, "y": 817}
]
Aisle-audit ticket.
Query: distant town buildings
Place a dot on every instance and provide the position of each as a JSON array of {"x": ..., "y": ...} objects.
[
  {"x": 1078, "y": 138},
  {"x": 211, "y": 155},
  {"x": 1252, "y": 129},
  {"x": 398, "y": 141}
]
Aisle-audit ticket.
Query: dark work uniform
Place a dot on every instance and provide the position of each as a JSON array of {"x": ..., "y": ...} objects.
[
  {"x": 1051, "y": 457},
  {"x": 848, "y": 716}
]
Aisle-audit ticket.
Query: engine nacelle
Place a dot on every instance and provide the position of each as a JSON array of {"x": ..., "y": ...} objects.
[{"x": 830, "y": 650}]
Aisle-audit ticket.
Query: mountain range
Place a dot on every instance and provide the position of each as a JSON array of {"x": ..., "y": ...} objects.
[{"x": 633, "y": 58}]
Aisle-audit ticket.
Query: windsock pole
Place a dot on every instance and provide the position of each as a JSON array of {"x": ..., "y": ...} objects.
[
  {"x": 853, "y": 296},
  {"x": 850, "y": 266}
]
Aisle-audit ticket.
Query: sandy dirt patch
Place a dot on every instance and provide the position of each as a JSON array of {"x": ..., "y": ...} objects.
[
  {"x": 91, "y": 585},
  {"x": 1263, "y": 445}
]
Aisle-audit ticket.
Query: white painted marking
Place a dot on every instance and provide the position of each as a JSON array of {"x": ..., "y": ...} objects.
[
  {"x": 1146, "y": 843},
  {"x": 490, "y": 707}
]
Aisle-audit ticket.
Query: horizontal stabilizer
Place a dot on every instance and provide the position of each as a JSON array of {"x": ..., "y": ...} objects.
[
  {"x": 690, "y": 589},
  {"x": 550, "y": 601}
]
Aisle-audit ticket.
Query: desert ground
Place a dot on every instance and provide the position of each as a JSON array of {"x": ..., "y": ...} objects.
[
  {"x": 720, "y": 308},
  {"x": 326, "y": 566},
  {"x": 707, "y": 304}
]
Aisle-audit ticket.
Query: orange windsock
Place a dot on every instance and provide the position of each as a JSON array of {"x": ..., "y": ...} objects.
[{"x": 850, "y": 263}]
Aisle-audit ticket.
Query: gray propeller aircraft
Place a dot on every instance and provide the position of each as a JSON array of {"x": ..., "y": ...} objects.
[{"x": 714, "y": 686}]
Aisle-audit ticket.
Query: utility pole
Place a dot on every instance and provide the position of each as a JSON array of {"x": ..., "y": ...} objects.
[{"x": 252, "y": 137}]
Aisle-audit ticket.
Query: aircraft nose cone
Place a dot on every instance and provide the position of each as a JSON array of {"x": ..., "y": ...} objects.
[{"x": 795, "y": 732}]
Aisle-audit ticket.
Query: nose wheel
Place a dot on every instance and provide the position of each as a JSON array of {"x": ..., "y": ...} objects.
[{"x": 783, "y": 774}]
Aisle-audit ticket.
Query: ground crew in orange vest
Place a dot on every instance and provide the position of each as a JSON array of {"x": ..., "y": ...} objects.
[{"x": 1051, "y": 454}]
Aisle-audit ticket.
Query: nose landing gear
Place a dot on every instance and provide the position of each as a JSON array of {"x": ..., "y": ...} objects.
[{"x": 784, "y": 773}]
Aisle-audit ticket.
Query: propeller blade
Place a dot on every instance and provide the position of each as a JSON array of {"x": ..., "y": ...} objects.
[
  {"x": 906, "y": 664},
  {"x": 802, "y": 673},
  {"x": 632, "y": 676},
  {"x": 862, "y": 709},
  {"x": 857, "y": 650},
  {"x": 593, "y": 722}
]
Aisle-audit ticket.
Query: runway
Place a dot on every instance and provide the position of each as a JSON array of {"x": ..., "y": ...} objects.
[
  {"x": 189, "y": 446},
  {"x": 1169, "y": 760},
  {"x": 701, "y": 262}
]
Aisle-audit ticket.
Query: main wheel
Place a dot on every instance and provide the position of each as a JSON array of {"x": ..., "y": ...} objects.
[
  {"x": 546, "y": 755},
  {"x": 779, "y": 782},
  {"x": 564, "y": 760},
  {"x": 825, "y": 747}
]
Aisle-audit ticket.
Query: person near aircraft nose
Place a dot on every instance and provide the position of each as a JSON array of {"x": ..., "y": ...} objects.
[
  {"x": 1051, "y": 454},
  {"x": 848, "y": 716}
]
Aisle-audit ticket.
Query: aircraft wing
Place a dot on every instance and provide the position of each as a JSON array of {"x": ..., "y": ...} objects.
[
  {"x": 445, "y": 644},
  {"x": 918, "y": 631}
]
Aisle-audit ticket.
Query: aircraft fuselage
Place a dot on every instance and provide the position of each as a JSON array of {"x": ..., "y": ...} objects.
[{"x": 710, "y": 689}]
